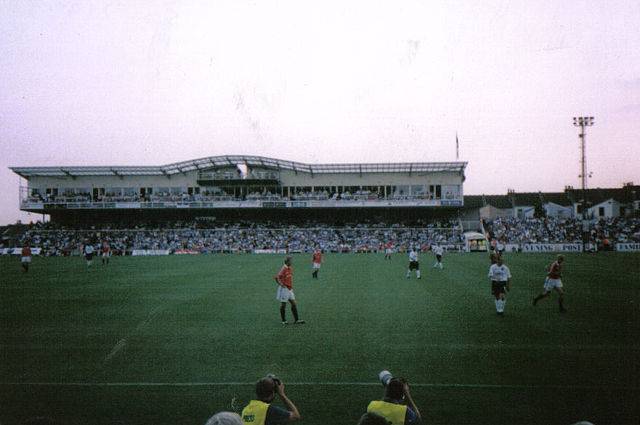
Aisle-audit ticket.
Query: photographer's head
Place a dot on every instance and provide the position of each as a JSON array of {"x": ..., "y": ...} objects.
[
  {"x": 395, "y": 388},
  {"x": 225, "y": 418},
  {"x": 372, "y": 419},
  {"x": 266, "y": 389}
]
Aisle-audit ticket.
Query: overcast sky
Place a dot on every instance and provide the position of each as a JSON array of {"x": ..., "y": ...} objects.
[{"x": 156, "y": 82}]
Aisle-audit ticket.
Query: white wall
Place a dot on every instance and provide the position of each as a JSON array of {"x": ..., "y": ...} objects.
[
  {"x": 558, "y": 211},
  {"x": 611, "y": 209}
]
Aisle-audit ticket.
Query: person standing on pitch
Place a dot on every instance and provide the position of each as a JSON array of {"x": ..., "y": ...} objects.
[
  {"x": 500, "y": 283},
  {"x": 437, "y": 250},
  {"x": 88, "y": 252},
  {"x": 316, "y": 260},
  {"x": 389, "y": 407},
  {"x": 106, "y": 252},
  {"x": 388, "y": 250},
  {"x": 413, "y": 263},
  {"x": 284, "y": 279},
  {"x": 554, "y": 273},
  {"x": 262, "y": 412},
  {"x": 26, "y": 257}
]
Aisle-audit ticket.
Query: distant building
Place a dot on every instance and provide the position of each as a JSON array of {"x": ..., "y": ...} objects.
[{"x": 603, "y": 203}]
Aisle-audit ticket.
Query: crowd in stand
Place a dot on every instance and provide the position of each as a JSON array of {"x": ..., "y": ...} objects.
[
  {"x": 603, "y": 232},
  {"x": 239, "y": 237},
  {"x": 534, "y": 230},
  {"x": 212, "y": 237},
  {"x": 607, "y": 231},
  {"x": 220, "y": 195}
]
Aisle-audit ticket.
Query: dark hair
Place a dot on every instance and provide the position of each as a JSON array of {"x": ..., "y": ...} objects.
[
  {"x": 265, "y": 388},
  {"x": 370, "y": 418},
  {"x": 40, "y": 420},
  {"x": 395, "y": 388}
]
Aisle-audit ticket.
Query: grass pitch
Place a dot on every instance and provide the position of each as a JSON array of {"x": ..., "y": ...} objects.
[{"x": 168, "y": 340}]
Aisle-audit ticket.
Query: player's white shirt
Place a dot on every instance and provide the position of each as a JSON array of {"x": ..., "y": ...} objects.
[
  {"x": 499, "y": 273},
  {"x": 437, "y": 250},
  {"x": 88, "y": 249},
  {"x": 413, "y": 256}
]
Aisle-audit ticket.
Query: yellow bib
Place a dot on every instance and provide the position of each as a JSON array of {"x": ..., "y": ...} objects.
[
  {"x": 255, "y": 413},
  {"x": 394, "y": 413}
]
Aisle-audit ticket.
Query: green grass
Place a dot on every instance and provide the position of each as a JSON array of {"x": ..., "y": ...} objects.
[{"x": 84, "y": 346}]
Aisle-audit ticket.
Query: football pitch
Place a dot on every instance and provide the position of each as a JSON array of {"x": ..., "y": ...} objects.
[{"x": 173, "y": 340}]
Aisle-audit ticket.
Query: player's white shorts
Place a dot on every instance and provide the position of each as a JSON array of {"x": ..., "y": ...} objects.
[
  {"x": 106, "y": 254},
  {"x": 283, "y": 295},
  {"x": 316, "y": 265},
  {"x": 549, "y": 284},
  {"x": 26, "y": 259}
]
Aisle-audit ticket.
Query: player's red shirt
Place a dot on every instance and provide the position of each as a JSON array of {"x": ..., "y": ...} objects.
[
  {"x": 285, "y": 276},
  {"x": 26, "y": 251},
  {"x": 106, "y": 249},
  {"x": 388, "y": 244},
  {"x": 317, "y": 257},
  {"x": 555, "y": 270}
]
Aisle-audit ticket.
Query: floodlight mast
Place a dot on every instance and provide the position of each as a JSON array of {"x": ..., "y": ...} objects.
[{"x": 583, "y": 122}]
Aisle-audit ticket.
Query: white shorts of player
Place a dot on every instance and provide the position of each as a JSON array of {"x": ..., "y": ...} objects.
[
  {"x": 283, "y": 295},
  {"x": 316, "y": 265},
  {"x": 106, "y": 255},
  {"x": 26, "y": 259},
  {"x": 549, "y": 284}
]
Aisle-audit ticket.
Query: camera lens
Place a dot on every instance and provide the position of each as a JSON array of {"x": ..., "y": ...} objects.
[{"x": 384, "y": 377}]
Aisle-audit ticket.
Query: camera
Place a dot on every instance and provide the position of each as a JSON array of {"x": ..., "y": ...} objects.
[
  {"x": 274, "y": 378},
  {"x": 385, "y": 376}
]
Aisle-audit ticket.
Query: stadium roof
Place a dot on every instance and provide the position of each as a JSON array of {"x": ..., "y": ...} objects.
[{"x": 234, "y": 161}]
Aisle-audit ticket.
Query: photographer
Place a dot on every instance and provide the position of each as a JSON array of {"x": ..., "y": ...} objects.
[
  {"x": 262, "y": 412},
  {"x": 390, "y": 408}
]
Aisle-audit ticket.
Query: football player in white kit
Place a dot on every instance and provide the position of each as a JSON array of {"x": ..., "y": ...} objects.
[
  {"x": 413, "y": 263},
  {"x": 500, "y": 283},
  {"x": 437, "y": 250}
]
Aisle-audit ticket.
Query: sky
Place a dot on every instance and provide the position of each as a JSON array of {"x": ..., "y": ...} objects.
[{"x": 143, "y": 82}]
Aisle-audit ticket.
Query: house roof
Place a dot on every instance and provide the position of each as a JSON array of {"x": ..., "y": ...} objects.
[
  {"x": 626, "y": 194},
  {"x": 558, "y": 198},
  {"x": 525, "y": 198},
  {"x": 498, "y": 201},
  {"x": 473, "y": 201}
]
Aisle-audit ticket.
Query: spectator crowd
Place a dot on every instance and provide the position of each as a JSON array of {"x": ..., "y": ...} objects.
[
  {"x": 218, "y": 195},
  {"x": 212, "y": 237},
  {"x": 195, "y": 236},
  {"x": 603, "y": 232}
]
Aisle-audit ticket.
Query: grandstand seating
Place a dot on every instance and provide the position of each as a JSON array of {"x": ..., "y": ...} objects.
[
  {"x": 201, "y": 236},
  {"x": 59, "y": 240}
]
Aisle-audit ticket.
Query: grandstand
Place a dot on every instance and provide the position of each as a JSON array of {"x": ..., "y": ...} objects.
[
  {"x": 256, "y": 204},
  {"x": 232, "y": 188}
]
